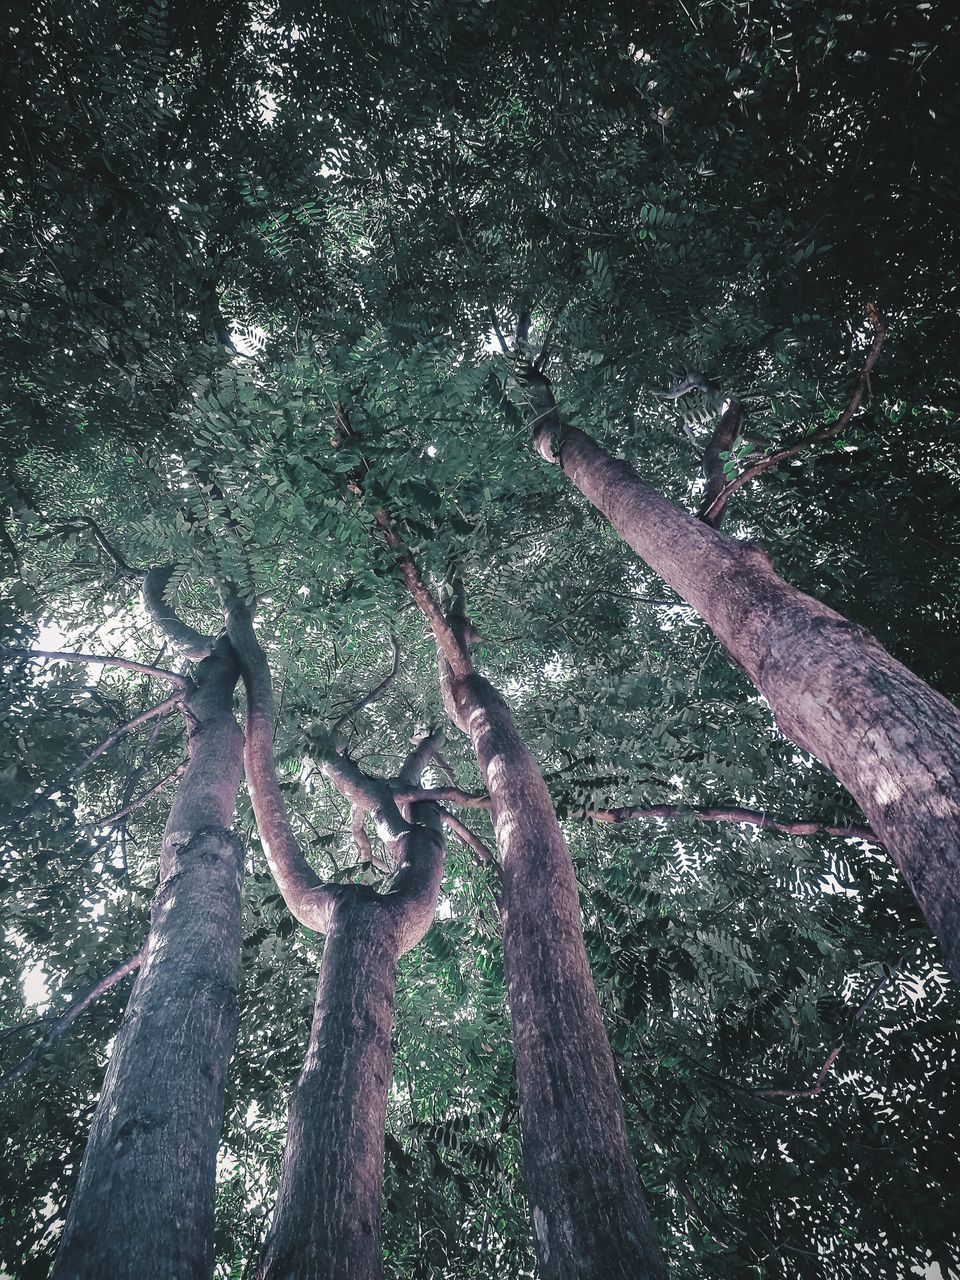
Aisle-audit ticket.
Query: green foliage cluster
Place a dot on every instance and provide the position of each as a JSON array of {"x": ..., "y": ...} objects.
[{"x": 220, "y": 222}]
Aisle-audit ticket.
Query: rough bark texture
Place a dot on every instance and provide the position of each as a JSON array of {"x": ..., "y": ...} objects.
[
  {"x": 327, "y": 1218},
  {"x": 326, "y": 1224},
  {"x": 144, "y": 1202},
  {"x": 586, "y": 1203},
  {"x": 891, "y": 740}
]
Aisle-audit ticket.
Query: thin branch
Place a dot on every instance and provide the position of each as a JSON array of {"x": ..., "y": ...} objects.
[
  {"x": 467, "y": 837},
  {"x": 111, "y": 818},
  {"x": 65, "y": 1021},
  {"x": 748, "y": 817},
  {"x": 142, "y": 717},
  {"x": 53, "y": 655},
  {"x": 834, "y": 1053},
  {"x": 106, "y": 545},
  {"x": 824, "y": 433},
  {"x": 633, "y": 813},
  {"x": 374, "y": 693}
]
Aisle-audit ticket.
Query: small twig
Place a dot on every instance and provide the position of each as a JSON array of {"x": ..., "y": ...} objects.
[
  {"x": 824, "y": 433},
  {"x": 834, "y": 1053},
  {"x": 374, "y": 693},
  {"x": 111, "y": 818},
  {"x": 106, "y": 545},
  {"x": 52, "y": 655},
  {"x": 66, "y": 1020},
  {"x": 721, "y": 442}
]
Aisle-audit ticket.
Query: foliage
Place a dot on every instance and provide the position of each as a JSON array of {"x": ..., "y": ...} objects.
[{"x": 359, "y": 199}]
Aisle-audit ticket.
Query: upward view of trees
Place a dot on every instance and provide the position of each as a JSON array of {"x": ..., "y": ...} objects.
[{"x": 478, "y": 532}]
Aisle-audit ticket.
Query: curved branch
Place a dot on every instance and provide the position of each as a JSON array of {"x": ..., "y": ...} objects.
[
  {"x": 66, "y": 1020},
  {"x": 308, "y": 898},
  {"x": 55, "y": 655},
  {"x": 825, "y": 433},
  {"x": 187, "y": 639},
  {"x": 725, "y": 432}
]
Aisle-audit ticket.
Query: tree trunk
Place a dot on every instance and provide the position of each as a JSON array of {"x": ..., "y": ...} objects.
[
  {"x": 833, "y": 690},
  {"x": 586, "y": 1203},
  {"x": 144, "y": 1202},
  {"x": 326, "y": 1224}
]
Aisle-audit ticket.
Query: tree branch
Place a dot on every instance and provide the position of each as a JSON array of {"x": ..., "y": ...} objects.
[
  {"x": 834, "y": 1053},
  {"x": 185, "y": 638},
  {"x": 309, "y": 900},
  {"x": 374, "y": 693},
  {"x": 454, "y": 652},
  {"x": 634, "y": 813},
  {"x": 749, "y": 817},
  {"x": 53, "y": 655},
  {"x": 825, "y": 433},
  {"x": 725, "y": 432},
  {"x": 111, "y": 818},
  {"x": 58, "y": 1026}
]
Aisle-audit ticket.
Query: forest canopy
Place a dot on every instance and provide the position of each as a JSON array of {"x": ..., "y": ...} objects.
[{"x": 497, "y": 413}]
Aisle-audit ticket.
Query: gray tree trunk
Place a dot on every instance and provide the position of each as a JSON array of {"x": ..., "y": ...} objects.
[
  {"x": 326, "y": 1224},
  {"x": 889, "y": 738},
  {"x": 143, "y": 1205},
  {"x": 590, "y": 1220}
]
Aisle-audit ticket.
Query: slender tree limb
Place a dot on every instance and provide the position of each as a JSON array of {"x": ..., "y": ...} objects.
[
  {"x": 467, "y": 837},
  {"x": 374, "y": 693},
  {"x": 61, "y": 1024},
  {"x": 824, "y": 433},
  {"x": 636, "y": 813},
  {"x": 749, "y": 817},
  {"x": 721, "y": 442},
  {"x": 142, "y": 717},
  {"x": 186, "y": 639},
  {"x": 106, "y": 545},
  {"x": 443, "y": 795},
  {"x": 54, "y": 655},
  {"x": 834, "y": 1053},
  {"x": 111, "y": 818}
]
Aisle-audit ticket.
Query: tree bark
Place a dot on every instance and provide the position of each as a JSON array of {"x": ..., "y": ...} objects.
[
  {"x": 586, "y": 1202},
  {"x": 590, "y": 1220},
  {"x": 326, "y": 1223},
  {"x": 144, "y": 1202},
  {"x": 834, "y": 690}
]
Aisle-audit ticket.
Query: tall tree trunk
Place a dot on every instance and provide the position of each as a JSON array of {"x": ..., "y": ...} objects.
[
  {"x": 836, "y": 692},
  {"x": 586, "y": 1203},
  {"x": 144, "y": 1202},
  {"x": 590, "y": 1221},
  {"x": 326, "y": 1224}
]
